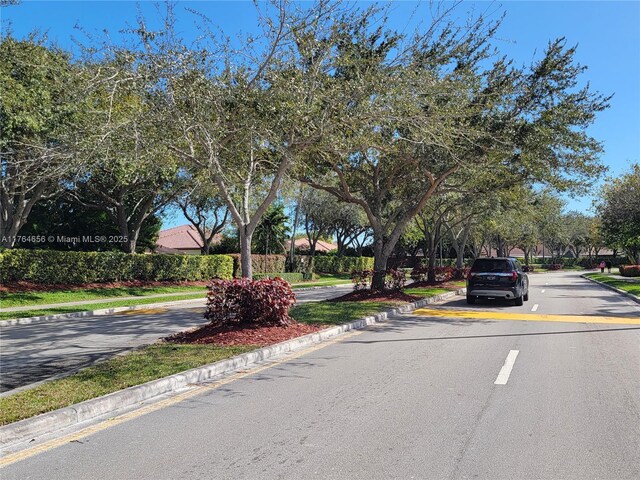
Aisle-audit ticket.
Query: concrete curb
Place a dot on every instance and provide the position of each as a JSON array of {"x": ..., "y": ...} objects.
[
  {"x": 109, "y": 311},
  {"x": 626, "y": 294},
  {"x": 115, "y": 402}
]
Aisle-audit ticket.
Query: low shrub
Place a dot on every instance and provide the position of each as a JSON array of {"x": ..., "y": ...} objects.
[
  {"x": 331, "y": 264},
  {"x": 528, "y": 268},
  {"x": 554, "y": 266},
  {"x": 393, "y": 279},
  {"x": 441, "y": 274},
  {"x": 294, "y": 277},
  {"x": 361, "y": 279},
  {"x": 55, "y": 267},
  {"x": 630, "y": 270},
  {"x": 461, "y": 273},
  {"x": 249, "y": 302},
  {"x": 419, "y": 272}
]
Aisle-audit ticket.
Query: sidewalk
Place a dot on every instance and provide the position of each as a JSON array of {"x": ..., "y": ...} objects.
[{"x": 619, "y": 277}]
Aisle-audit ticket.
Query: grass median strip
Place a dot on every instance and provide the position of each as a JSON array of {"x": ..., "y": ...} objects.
[
  {"x": 336, "y": 313},
  {"x": 99, "y": 306},
  {"x": 19, "y": 299},
  {"x": 631, "y": 286},
  {"x": 134, "y": 368}
]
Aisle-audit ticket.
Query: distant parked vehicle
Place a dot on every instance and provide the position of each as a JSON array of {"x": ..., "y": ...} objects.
[{"x": 495, "y": 278}]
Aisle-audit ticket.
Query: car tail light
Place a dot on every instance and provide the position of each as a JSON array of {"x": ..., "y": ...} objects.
[{"x": 514, "y": 276}]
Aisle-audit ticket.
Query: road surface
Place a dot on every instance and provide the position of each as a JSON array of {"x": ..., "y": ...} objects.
[{"x": 437, "y": 394}]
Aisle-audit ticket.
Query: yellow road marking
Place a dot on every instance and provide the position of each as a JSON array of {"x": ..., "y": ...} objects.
[
  {"x": 197, "y": 390},
  {"x": 529, "y": 317},
  {"x": 147, "y": 311}
]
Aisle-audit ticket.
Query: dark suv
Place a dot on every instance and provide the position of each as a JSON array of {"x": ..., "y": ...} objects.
[{"x": 497, "y": 278}]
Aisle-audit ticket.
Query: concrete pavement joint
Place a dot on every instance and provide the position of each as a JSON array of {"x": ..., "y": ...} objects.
[
  {"x": 626, "y": 294},
  {"x": 28, "y": 429}
]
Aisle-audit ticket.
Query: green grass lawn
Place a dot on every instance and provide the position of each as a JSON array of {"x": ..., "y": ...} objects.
[
  {"x": 335, "y": 313},
  {"x": 19, "y": 299},
  {"x": 631, "y": 286},
  {"x": 134, "y": 368},
  {"x": 97, "y": 306},
  {"x": 425, "y": 291},
  {"x": 325, "y": 280}
]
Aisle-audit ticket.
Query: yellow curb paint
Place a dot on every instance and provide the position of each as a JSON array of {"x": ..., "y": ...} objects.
[
  {"x": 196, "y": 390},
  {"x": 527, "y": 317}
]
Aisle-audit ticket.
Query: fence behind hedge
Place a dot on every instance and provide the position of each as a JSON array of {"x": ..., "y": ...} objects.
[
  {"x": 332, "y": 264},
  {"x": 54, "y": 267}
]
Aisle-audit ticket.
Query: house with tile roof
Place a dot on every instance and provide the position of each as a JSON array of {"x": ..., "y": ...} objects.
[
  {"x": 303, "y": 244},
  {"x": 183, "y": 239}
]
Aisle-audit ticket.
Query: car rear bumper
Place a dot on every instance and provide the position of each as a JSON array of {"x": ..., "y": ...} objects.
[{"x": 490, "y": 293}]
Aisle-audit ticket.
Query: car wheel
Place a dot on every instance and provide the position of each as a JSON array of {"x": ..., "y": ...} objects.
[
  {"x": 519, "y": 301},
  {"x": 526, "y": 297},
  {"x": 471, "y": 300}
]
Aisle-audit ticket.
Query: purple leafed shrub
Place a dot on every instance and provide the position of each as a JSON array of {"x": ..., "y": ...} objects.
[{"x": 249, "y": 302}]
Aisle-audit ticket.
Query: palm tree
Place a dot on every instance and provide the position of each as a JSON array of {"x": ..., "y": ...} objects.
[{"x": 272, "y": 231}]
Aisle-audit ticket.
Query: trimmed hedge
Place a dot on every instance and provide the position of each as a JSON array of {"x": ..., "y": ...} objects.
[
  {"x": 630, "y": 270},
  {"x": 393, "y": 279},
  {"x": 53, "y": 267},
  {"x": 289, "y": 277},
  {"x": 260, "y": 264},
  {"x": 332, "y": 264}
]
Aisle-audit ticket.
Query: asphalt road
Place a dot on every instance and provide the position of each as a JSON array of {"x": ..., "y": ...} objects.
[
  {"x": 427, "y": 395},
  {"x": 37, "y": 352}
]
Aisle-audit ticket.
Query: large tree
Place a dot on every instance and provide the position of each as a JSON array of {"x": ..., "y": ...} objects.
[
  {"x": 410, "y": 122},
  {"x": 244, "y": 116},
  {"x": 619, "y": 210},
  {"x": 129, "y": 173},
  {"x": 40, "y": 98}
]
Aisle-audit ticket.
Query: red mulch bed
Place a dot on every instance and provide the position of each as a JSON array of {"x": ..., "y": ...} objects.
[
  {"x": 243, "y": 335},
  {"x": 376, "y": 296},
  {"x": 40, "y": 287}
]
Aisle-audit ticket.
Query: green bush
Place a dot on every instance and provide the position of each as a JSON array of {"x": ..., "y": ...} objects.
[
  {"x": 52, "y": 267},
  {"x": 630, "y": 270},
  {"x": 295, "y": 277},
  {"x": 260, "y": 264},
  {"x": 330, "y": 264}
]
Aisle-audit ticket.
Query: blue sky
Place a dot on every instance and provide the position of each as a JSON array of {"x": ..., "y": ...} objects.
[{"x": 607, "y": 35}]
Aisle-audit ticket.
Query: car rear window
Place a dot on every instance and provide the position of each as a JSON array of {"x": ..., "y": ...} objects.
[{"x": 491, "y": 265}]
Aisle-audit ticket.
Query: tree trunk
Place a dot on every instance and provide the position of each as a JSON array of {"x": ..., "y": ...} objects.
[
  {"x": 292, "y": 246},
  {"x": 13, "y": 218},
  {"x": 245, "y": 252},
  {"x": 379, "y": 264}
]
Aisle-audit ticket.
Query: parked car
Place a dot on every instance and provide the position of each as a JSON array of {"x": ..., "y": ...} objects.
[{"x": 497, "y": 278}]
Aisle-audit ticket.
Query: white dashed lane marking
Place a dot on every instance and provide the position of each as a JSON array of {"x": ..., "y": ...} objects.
[{"x": 505, "y": 371}]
